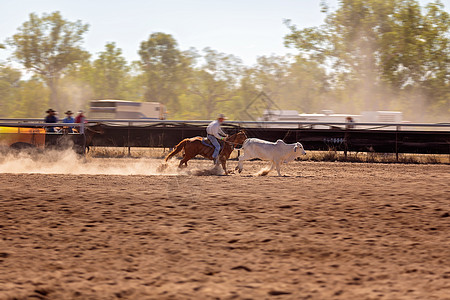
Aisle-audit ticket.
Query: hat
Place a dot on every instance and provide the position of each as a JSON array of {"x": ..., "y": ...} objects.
[
  {"x": 81, "y": 111},
  {"x": 69, "y": 112},
  {"x": 50, "y": 110},
  {"x": 221, "y": 116}
]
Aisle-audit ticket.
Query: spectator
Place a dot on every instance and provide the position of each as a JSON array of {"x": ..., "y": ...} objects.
[
  {"x": 350, "y": 122},
  {"x": 51, "y": 118},
  {"x": 80, "y": 118},
  {"x": 69, "y": 119}
]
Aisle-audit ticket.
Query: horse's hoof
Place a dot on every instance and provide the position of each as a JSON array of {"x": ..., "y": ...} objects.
[{"x": 162, "y": 167}]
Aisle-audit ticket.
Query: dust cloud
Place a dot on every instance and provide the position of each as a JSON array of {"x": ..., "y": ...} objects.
[{"x": 68, "y": 162}]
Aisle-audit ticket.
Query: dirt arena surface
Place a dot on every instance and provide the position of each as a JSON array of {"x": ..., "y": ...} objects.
[{"x": 322, "y": 231}]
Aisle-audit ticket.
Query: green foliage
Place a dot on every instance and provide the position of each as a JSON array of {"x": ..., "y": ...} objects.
[
  {"x": 110, "y": 74},
  {"x": 21, "y": 99},
  {"x": 9, "y": 86},
  {"x": 214, "y": 83},
  {"x": 368, "y": 55},
  {"x": 32, "y": 99},
  {"x": 164, "y": 66},
  {"x": 47, "y": 46},
  {"x": 386, "y": 49}
]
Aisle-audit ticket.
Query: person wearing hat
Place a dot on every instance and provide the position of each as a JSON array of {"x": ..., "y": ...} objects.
[
  {"x": 81, "y": 118},
  {"x": 69, "y": 119},
  {"x": 51, "y": 118},
  {"x": 214, "y": 132}
]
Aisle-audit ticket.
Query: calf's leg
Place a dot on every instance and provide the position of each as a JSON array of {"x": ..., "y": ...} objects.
[
  {"x": 240, "y": 165},
  {"x": 278, "y": 165}
]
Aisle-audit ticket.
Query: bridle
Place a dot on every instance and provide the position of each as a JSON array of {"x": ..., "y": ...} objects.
[{"x": 233, "y": 144}]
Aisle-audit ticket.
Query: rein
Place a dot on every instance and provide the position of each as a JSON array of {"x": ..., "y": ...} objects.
[{"x": 234, "y": 144}]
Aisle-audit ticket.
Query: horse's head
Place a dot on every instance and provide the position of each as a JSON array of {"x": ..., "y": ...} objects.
[{"x": 238, "y": 138}]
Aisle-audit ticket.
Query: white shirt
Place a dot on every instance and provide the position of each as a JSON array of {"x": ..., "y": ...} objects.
[{"x": 215, "y": 130}]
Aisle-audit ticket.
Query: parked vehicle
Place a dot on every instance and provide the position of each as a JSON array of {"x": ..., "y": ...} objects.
[
  {"x": 121, "y": 109},
  {"x": 293, "y": 116},
  {"x": 22, "y": 138}
]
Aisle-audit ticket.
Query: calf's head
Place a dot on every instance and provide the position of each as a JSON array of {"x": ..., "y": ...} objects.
[{"x": 298, "y": 150}]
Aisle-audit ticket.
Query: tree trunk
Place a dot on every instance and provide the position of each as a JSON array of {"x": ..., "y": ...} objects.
[{"x": 53, "y": 86}]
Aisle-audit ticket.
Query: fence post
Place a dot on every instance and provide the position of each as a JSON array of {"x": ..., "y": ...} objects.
[
  {"x": 83, "y": 136},
  {"x": 396, "y": 143},
  {"x": 128, "y": 139}
]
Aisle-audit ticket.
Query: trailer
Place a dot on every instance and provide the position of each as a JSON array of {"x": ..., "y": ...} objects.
[
  {"x": 329, "y": 116},
  {"x": 22, "y": 137},
  {"x": 121, "y": 109}
]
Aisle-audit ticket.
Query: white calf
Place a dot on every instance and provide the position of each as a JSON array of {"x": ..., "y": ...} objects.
[{"x": 277, "y": 153}]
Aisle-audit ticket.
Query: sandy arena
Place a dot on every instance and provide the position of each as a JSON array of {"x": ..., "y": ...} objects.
[{"x": 322, "y": 231}]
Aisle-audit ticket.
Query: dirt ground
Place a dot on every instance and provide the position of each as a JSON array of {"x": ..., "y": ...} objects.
[{"x": 322, "y": 231}]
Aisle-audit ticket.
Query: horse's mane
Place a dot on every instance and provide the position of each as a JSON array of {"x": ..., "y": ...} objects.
[
  {"x": 235, "y": 135},
  {"x": 232, "y": 138}
]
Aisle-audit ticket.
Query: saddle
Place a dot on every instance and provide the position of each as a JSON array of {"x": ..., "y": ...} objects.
[{"x": 207, "y": 142}]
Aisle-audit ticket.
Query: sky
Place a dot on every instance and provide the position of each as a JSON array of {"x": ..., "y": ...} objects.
[{"x": 244, "y": 28}]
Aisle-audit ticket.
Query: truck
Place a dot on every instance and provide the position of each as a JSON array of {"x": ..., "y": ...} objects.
[{"x": 122, "y": 109}]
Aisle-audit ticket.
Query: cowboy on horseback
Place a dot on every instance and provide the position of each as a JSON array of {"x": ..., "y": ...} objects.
[{"x": 214, "y": 132}]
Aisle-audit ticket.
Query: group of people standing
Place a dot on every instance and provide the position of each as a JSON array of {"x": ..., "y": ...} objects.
[{"x": 53, "y": 118}]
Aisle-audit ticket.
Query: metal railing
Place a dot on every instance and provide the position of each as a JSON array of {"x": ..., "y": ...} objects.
[{"x": 33, "y": 122}]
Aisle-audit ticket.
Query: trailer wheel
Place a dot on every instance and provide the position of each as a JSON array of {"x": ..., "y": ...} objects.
[{"x": 22, "y": 146}]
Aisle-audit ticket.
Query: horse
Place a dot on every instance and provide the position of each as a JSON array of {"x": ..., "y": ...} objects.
[
  {"x": 84, "y": 141},
  {"x": 195, "y": 146}
]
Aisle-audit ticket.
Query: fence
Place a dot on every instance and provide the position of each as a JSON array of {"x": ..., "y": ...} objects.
[{"x": 363, "y": 137}]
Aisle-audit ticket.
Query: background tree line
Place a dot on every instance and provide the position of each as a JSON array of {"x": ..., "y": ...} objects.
[{"x": 368, "y": 55}]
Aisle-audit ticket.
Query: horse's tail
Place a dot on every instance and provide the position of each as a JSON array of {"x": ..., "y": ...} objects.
[{"x": 177, "y": 149}]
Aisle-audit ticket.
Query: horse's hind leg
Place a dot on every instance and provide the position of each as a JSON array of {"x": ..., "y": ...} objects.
[{"x": 184, "y": 161}]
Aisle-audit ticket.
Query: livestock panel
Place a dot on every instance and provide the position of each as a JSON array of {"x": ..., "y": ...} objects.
[{"x": 166, "y": 135}]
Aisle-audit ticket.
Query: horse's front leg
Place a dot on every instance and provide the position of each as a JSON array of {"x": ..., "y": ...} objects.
[{"x": 224, "y": 165}]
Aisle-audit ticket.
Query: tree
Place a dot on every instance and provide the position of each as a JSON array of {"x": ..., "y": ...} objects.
[
  {"x": 47, "y": 46},
  {"x": 307, "y": 88},
  {"x": 32, "y": 99},
  {"x": 163, "y": 65},
  {"x": 214, "y": 84},
  {"x": 19, "y": 98},
  {"x": 110, "y": 73},
  {"x": 279, "y": 82},
  {"x": 380, "y": 46},
  {"x": 9, "y": 86}
]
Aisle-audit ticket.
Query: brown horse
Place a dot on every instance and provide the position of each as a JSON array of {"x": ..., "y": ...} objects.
[{"x": 194, "y": 146}]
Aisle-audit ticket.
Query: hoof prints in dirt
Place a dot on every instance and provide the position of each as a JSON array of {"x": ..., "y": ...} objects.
[{"x": 207, "y": 172}]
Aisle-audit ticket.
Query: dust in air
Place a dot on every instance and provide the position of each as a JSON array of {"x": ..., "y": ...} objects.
[{"x": 68, "y": 162}]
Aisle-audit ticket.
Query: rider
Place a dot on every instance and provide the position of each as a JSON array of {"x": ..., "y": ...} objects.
[{"x": 215, "y": 132}]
